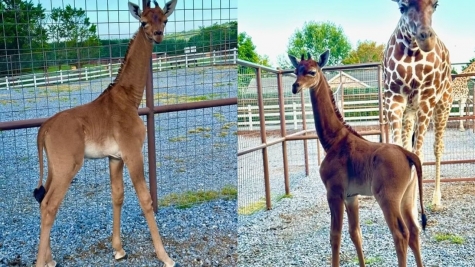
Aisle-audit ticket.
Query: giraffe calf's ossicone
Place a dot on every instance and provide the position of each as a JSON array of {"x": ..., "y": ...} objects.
[
  {"x": 108, "y": 127},
  {"x": 355, "y": 166}
]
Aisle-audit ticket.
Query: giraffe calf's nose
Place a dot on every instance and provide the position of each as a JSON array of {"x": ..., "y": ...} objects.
[
  {"x": 158, "y": 33},
  {"x": 295, "y": 88}
]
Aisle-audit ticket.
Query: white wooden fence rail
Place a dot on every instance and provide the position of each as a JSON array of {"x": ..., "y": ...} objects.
[
  {"x": 158, "y": 64},
  {"x": 248, "y": 116}
]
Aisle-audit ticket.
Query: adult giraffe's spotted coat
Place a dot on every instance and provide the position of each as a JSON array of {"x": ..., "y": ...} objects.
[{"x": 417, "y": 82}]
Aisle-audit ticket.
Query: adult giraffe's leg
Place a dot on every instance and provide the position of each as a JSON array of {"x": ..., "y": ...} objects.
[
  {"x": 336, "y": 204},
  {"x": 130, "y": 144},
  {"x": 116, "y": 168},
  {"x": 394, "y": 112},
  {"x": 408, "y": 129},
  {"x": 354, "y": 227},
  {"x": 441, "y": 117},
  {"x": 462, "y": 103}
]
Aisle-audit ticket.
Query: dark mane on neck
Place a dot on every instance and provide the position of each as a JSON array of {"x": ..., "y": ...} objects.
[
  {"x": 121, "y": 65},
  {"x": 337, "y": 111}
]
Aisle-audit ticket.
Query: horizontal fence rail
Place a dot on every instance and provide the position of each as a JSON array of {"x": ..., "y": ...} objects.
[{"x": 224, "y": 57}]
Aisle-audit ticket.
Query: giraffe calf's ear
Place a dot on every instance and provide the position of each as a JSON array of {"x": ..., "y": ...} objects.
[
  {"x": 135, "y": 10},
  {"x": 324, "y": 58},
  {"x": 169, "y": 7},
  {"x": 294, "y": 61}
]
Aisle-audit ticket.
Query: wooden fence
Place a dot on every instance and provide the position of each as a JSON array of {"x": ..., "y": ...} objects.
[
  {"x": 353, "y": 112},
  {"x": 84, "y": 74}
]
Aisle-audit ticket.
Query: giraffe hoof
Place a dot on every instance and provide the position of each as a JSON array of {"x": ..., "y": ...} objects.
[{"x": 120, "y": 255}]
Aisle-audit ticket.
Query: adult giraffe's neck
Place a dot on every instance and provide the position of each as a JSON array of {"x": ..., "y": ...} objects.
[
  {"x": 402, "y": 37},
  {"x": 470, "y": 68},
  {"x": 132, "y": 75},
  {"x": 329, "y": 122}
]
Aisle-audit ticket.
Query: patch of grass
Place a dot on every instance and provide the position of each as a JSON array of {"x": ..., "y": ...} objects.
[
  {"x": 368, "y": 222},
  {"x": 219, "y": 116},
  {"x": 199, "y": 130},
  {"x": 454, "y": 239},
  {"x": 177, "y": 139},
  {"x": 219, "y": 145},
  {"x": 191, "y": 198},
  {"x": 223, "y": 134},
  {"x": 207, "y": 135},
  {"x": 5, "y": 102},
  {"x": 228, "y": 125},
  {"x": 253, "y": 207},
  {"x": 370, "y": 260},
  {"x": 282, "y": 196},
  {"x": 59, "y": 88},
  {"x": 167, "y": 98},
  {"x": 179, "y": 160},
  {"x": 181, "y": 170}
]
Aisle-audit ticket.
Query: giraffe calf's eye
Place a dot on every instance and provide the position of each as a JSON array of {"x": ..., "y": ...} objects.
[
  {"x": 311, "y": 73},
  {"x": 144, "y": 23}
]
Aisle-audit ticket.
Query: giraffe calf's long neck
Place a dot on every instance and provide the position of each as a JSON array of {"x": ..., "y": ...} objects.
[
  {"x": 132, "y": 75},
  {"x": 329, "y": 123}
]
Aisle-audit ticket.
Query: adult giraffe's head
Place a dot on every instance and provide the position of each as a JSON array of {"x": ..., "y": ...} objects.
[
  {"x": 153, "y": 20},
  {"x": 416, "y": 18}
]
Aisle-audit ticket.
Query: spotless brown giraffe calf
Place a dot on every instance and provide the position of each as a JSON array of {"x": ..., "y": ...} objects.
[
  {"x": 109, "y": 127},
  {"x": 355, "y": 166}
]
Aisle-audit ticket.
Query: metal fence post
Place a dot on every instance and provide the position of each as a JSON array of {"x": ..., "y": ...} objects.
[
  {"x": 6, "y": 79},
  {"x": 85, "y": 68},
  {"x": 152, "y": 156}
]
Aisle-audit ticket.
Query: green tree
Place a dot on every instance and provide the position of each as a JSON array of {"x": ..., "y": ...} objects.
[
  {"x": 316, "y": 37},
  {"x": 22, "y": 35},
  {"x": 215, "y": 37},
  {"x": 72, "y": 26},
  {"x": 247, "y": 50},
  {"x": 365, "y": 52}
]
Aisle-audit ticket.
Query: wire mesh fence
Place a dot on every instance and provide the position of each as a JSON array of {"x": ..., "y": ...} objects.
[{"x": 44, "y": 70}]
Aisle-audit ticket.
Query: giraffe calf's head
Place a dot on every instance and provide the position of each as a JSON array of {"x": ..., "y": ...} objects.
[
  {"x": 308, "y": 71},
  {"x": 153, "y": 20},
  {"x": 416, "y": 17}
]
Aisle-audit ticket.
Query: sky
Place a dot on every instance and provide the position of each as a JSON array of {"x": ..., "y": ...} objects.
[
  {"x": 271, "y": 23},
  {"x": 113, "y": 18}
]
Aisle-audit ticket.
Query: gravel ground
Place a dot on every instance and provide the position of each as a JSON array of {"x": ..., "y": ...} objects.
[
  {"x": 196, "y": 150},
  {"x": 296, "y": 231}
]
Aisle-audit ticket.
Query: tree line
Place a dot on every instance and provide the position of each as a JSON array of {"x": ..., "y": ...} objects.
[
  {"x": 316, "y": 37},
  {"x": 30, "y": 39}
]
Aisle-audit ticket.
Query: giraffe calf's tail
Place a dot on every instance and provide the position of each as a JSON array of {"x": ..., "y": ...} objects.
[
  {"x": 416, "y": 161},
  {"x": 40, "y": 192}
]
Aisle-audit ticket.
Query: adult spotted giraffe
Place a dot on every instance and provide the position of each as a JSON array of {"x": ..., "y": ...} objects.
[
  {"x": 108, "y": 127},
  {"x": 417, "y": 82},
  {"x": 460, "y": 91}
]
